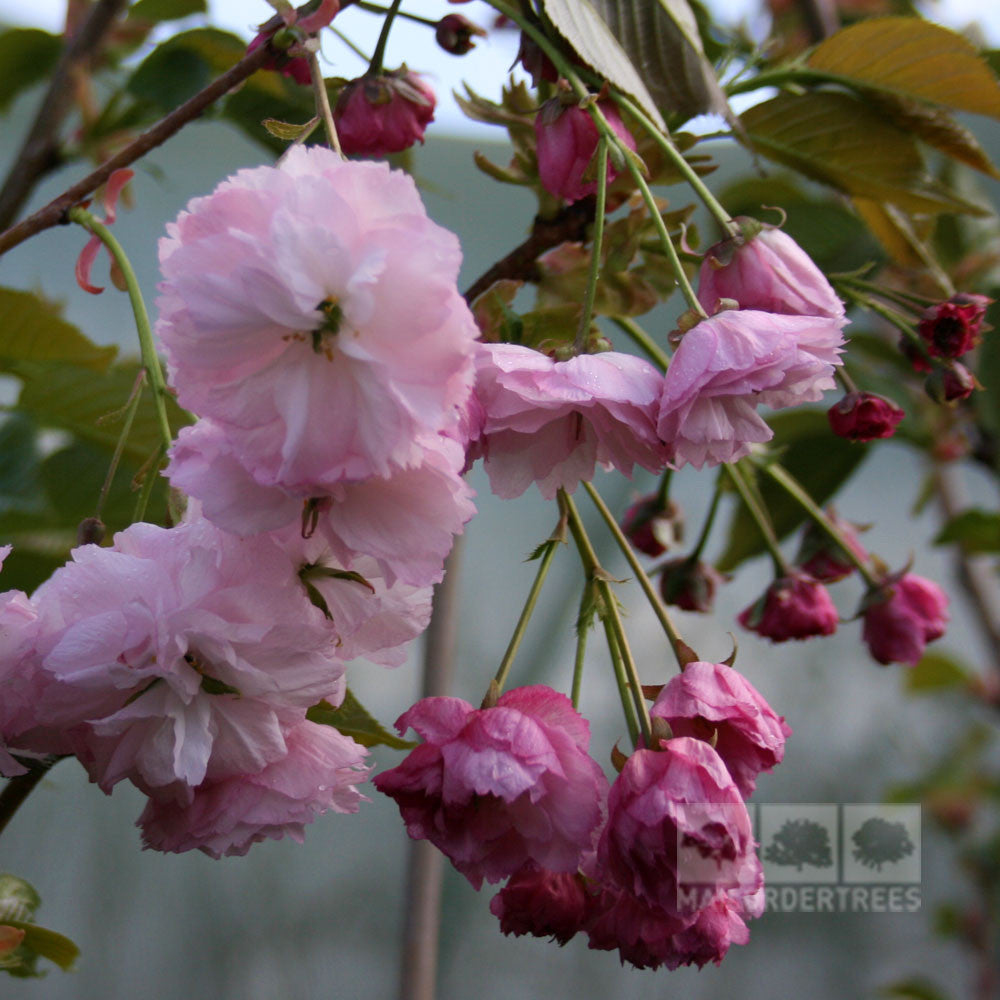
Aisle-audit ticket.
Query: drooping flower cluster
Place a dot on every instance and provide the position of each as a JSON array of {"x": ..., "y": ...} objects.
[{"x": 661, "y": 868}]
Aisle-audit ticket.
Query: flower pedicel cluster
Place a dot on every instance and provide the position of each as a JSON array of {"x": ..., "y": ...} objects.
[{"x": 311, "y": 321}]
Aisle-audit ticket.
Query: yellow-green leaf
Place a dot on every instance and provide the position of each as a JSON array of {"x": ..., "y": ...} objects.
[
  {"x": 352, "y": 719},
  {"x": 841, "y": 141},
  {"x": 41, "y": 941},
  {"x": 912, "y": 58}
]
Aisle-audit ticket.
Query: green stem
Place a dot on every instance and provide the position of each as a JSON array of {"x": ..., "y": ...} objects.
[
  {"x": 668, "y": 244},
  {"x": 375, "y": 66},
  {"x": 676, "y": 643},
  {"x": 130, "y": 410},
  {"x": 597, "y": 574},
  {"x": 374, "y": 8},
  {"x": 582, "y": 630},
  {"x": 148, "y": 484},
  {"x": 900, "y": 298},
  {"x": 798, "y": 493},
  {"x": 643, "y": 339},
  {"x": 323, "y": 104},
  {"x": 149, "y": 359},
  {"x": 621, "y": 680},
  {"x": 20, "y": 787},
  {"x": 706, "y": 528},
  {"x": 663, "y": 490},
  {"x": 761, "y": 518},
  {"x": 596, "y": 242},
  {"x": 780, "y": 77},
  {"x": 526, "y": 612},
  {"x": 359, "y": 52},
  {"x": 676, "y": 157}
]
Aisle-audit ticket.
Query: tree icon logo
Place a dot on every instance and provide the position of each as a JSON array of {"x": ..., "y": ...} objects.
[
  {"x": 800, "y": 842},
  {"x": 878, "y": 842}
]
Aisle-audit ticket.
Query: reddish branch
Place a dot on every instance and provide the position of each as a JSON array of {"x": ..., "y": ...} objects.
[{"x": 522, "y": 262}]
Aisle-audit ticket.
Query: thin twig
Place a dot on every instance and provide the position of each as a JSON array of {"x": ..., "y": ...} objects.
[
  {"x": 18, "y": 789},
  {"x": 418, "y": 971},
  {"x": 39, "y": 152}
]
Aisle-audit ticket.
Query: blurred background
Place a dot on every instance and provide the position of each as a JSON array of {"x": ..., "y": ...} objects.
[{"x": 324, "y": 919}]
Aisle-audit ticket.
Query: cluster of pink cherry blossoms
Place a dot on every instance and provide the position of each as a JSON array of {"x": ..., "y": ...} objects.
[{"x": 311, "y": 322}]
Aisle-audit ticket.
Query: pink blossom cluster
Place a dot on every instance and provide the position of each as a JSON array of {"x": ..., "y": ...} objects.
[{"x": 660, "y": 866}]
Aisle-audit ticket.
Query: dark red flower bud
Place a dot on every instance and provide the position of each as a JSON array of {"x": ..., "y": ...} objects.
[
  {"x": 690, "y": 586},
  {"x": 295, "y": 68},
  {"x": 793, "y": 607},
  {"x": 535, "y": 62},
  {"x": 651, "y": 527},
  {"x": 822, "y": 558},
  {"x": 913, "y": 354},
  {"x": 951, "y": 329},
  {"x": 383, "y": 113},
  {"x": 951, "y": 385},
  {"x": 542, "y": 903},
  {"x": 864, "y": 416},
  {"x": 455, "y": 33}
]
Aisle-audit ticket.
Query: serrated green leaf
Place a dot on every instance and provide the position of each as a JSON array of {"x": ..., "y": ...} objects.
[
  {"x": 913, "y": 58},
  {"x": 934, "y": 672},
  {"x": 843, "y": 142},
  {"x": 48, "y": 944},
  {"x": 975, "y": 530},
  {"x": 89, "y": 404},
  {"x": 352, "y": 719},
  {"x": 155, "y": 11},
  {"x": 34, "y": 330},
  {"x": 818, "y": 459},
  {"x": 593, "y": 41},
  {"x": 662, "y": 40},
  {"x": 27, "y": 55}
]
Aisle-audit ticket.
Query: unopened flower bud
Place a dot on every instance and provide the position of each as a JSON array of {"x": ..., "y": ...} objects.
[
  {"x": 567, "y": 144},
  {"x": 535, "y": 62},
  {"x": 295, "y": 68},
  {"x": 905, "y": 614},
  {"x": 90, "y": 531},
  {"x": 913, "y": 354},
  {"x": 689, "y": 585},
  {"x": 864, "y": 416},
  {"x": 822, "y": 558},
  {"x": 383, "y": 113},
  {"x": 651, "y": 527},
  {"x": 793, "y": 607},
  {"x": 455, "y": 33},
  {"x": 950, "y": 385},
  {"x": 951, "y": 329}
]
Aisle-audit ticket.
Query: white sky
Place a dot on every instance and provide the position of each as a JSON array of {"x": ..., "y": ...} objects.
[{"x": 487, "y": 64}]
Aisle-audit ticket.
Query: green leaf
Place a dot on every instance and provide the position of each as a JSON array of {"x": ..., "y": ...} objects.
[
  {"x": 268, "y": 95},
  {"x": 352, "y": 719},
  {"x": 155, "y": 11},
  {"x": 48, "y": 944},
  {"x": 18, "y": 465},
  {"x": 914, "y": 59},
  {"x": 975, "y": 530},
  {"x": 583, "y": 27},
  {"x": 89, "y": 404},
  {"x": 184, "y": 64},
  {"x": 818, "y": 459},
  {"x": 935, "y": 672},
  {"x": 287, "y": 130},
  {"x": 843, "y": 142},
  {"x": 913, "y": 989},
  {"x": 34, "y": 330},
  {"x": 987, "y": 402},
  {"x": 27, "y": 55},
  {"x": 662, "y": 40}
]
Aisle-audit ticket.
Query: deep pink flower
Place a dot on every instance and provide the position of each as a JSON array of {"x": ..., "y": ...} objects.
[
  {"x": 567, "y": 142},
  {"x": 542, "y": 903},
  {"x": 822, "y": 558},
  {"x": 181, "y": 656},
  {"x": 711, "y": 701},
  {"x": 689, "y": 585},
  {"x": 317, "y": 773},
  {"x": 901, "y": 618},
  {"x": 769, "y": 272},
  {"x": 496, "y": 787},
  {"x": 550, "y": 422},
  {"x": 406, "y": 521},
  {"x": 112, "y": 192},
  {"x": 725, "y": 366},
  {"x": 678, "y": 831},
  {"x": 647, "y": 937},
  {"x": 383, "y": 113},
  {"x": 864, "y": 416},
  {"x": 952, "y": 328},
  {"x": 311, "y": 311},
  {"x": 793, "y": 607},
  {"x": 294, "y": 67},
  {"x": 650, "y": 527}
]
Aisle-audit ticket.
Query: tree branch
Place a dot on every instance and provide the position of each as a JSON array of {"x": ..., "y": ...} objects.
[{"x": 40, "y": 149}]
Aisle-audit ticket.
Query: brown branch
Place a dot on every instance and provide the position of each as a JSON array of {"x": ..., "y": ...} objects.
[
  {"x": 418, "y": 968},
  {"x": 54, "y": 213},
  {"x": 39, "y": 152},
  {"x": 570, "y": 224},
  {"x": 18, "y": 789}
]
